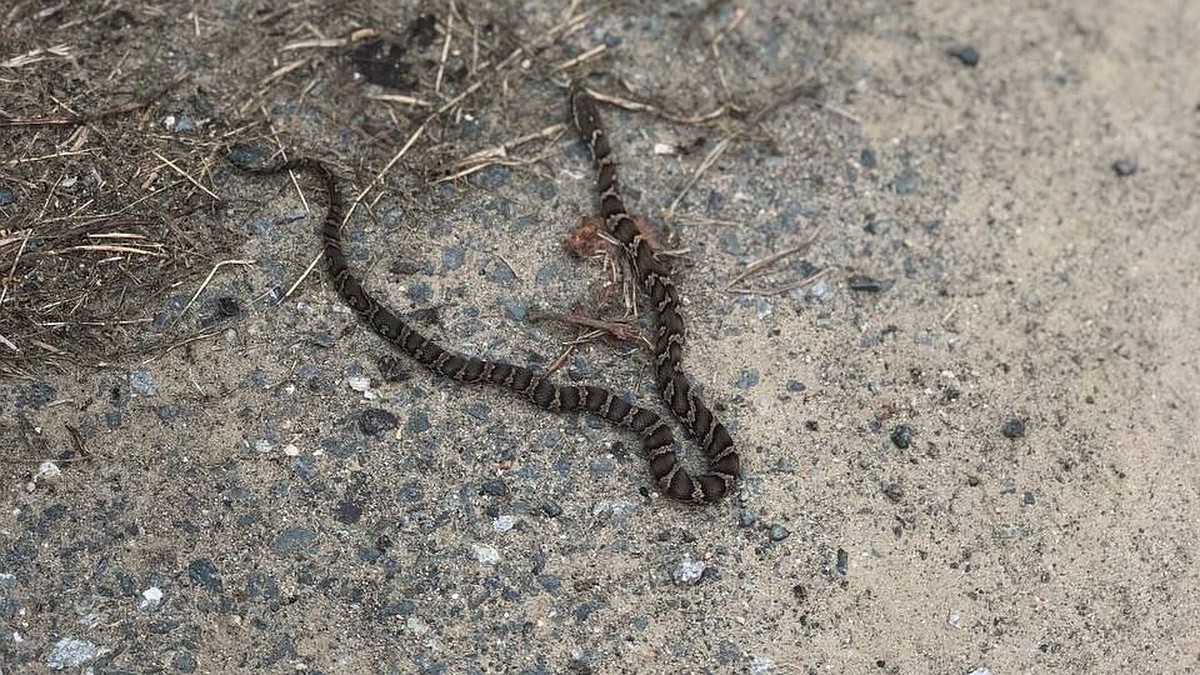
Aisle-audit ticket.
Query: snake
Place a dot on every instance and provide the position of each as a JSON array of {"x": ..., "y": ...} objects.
[{"x": 676, "y": 390}]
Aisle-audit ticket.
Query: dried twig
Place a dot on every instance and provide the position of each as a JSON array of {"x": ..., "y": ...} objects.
[
  {"x": 713, "y": 155},
  {"x": 763, "y": 263},
  {"x": 282, "y": 71},
  {"x": 208, "y": 279},
  {"x": 186, "y": 176},
  {"x": 572, "y": 62},
  {"x": 499, "y": 154},
  {"x": 785, "y": 288},
  {"x": 319, "y": 43},
  {"x": 638, "y": 106},
  {"x": 441, "y": 71},
  {"x": 402, "y": 99},
  {"x": 12, "y": 271},
  {"x": 63, "y": 51},
  {"x": 620, "y": 330}
]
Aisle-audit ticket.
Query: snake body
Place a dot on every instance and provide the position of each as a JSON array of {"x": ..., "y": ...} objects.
[{"x": 657, "y": 440}]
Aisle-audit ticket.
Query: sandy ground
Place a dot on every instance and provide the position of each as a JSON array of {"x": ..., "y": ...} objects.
[{"x": 970, "y": 441}]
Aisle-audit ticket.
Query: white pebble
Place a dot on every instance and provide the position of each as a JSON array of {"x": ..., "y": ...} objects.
[
  {"x": 485, "y": 554},
  {"x": 151, "y": 598},
  {"x": 47, "y": 471},
  {"x": 761, "y": 664},
  {"x": 363, "y": 386},
  {"x": 688, "y": 571},
  {"x": 72, "y": 653}
]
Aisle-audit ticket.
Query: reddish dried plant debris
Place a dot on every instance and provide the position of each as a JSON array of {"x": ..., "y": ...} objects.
[{"x": 584, "y": 240}]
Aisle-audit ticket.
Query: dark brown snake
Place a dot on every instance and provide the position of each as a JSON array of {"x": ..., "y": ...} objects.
[{"x": 657, "y": 440}]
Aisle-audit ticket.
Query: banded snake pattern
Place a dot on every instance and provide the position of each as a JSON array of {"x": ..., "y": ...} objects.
[{"x": 676, "y": 390}]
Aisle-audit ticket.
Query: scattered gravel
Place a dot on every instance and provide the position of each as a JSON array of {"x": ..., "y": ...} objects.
[{"x": 967, "y": 54}]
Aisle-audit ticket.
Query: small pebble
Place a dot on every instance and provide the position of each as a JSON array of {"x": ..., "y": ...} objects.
[
  {"x": 142, "y": 382},
  {"x": 894, "y": 492},
  {"x": 778, "y": 532},
  {"x": 748, "y": 379},
  {"x": 72, "y": 653},
  {"x": 503, "y": 524},
  {"x": 747, "y": 518},
  {"x": 419, "y": 292},
  {"x": 599, "y": 468},
  {"x": 954, "y": 620},
  {"x": 488, "y": 555},
  {"x": 228, "y": 307},
  {"x": 375, "y": 421},
  {"x": 185, "y": 125},
  {"x": 493, "y": 488},
  {"x": 550, "y": 582},
  {"x": 348, "y": 512},
  {"x": 907, "y": 183},
  {"x": 687, "y": 572},
  {"x": 761, "y": 665},
  {"x": 417, "y": 423},
  {"x": 582, "y": 613},
  {"x": 295, "y": 540},
  {"x": 1013, "y": 428},
  {"x": 965, "y": 53},
  {"x": 516, "y": 310},
  {"x": 862, "y": 282},
  {"x": 203, "y": 573},
  {"x": 359, "y": 383},
  {"x": 151, "y": 598},
  {"x": 184, "y": 662},
  {"x": 1124, "y": 167},
  {"x": 245, "y": 155},
  {"x": 417, "y": 626},
  {"x": 47, "y": 472},
  {"x": 843, "y": 562},
  {"x": 902, "y": 436},
  {"x": 453, "y": 258}
]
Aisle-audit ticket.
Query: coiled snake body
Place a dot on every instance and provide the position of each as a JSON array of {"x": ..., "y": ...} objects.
[{"x": 674, "y": 386}]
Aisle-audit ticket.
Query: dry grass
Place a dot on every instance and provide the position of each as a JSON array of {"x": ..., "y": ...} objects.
[{"x": 116, "y": 210}]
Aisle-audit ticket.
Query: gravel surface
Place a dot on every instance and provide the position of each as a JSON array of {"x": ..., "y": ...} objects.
[{"x": 966, "y": 411}]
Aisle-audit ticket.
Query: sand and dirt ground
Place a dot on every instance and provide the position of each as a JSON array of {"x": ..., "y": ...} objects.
[{"x": 967, "y": 410}]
